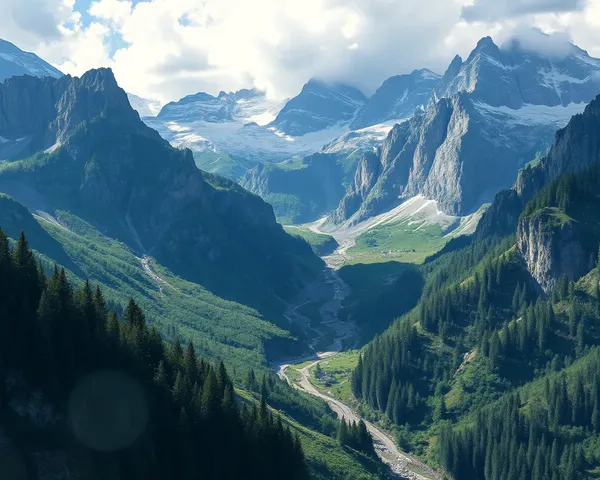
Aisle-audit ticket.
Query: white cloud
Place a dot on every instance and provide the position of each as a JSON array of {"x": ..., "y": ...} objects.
[
  {"x": 115, "y": 12},
  {"x": 558, "y": 44},
  {"x": 493, "y": 10},
  {"x": 171, "y": 48}
]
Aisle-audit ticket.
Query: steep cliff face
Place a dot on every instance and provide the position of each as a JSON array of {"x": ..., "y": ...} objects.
[
  {"x": 489, "y": 116},
  {"x": 119, "y": 175},
  {"x": 575, "y": 147},
  {"x": 40, "y": 113},
  {"x": 552, "y": 245},
  {"x": 457, "y": 153},
  {"x": 502, "y": 216},
  {"x": 365, "y": 178}
]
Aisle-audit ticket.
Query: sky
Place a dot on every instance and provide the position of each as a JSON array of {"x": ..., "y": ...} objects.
[{"x": 165, "y": 49}]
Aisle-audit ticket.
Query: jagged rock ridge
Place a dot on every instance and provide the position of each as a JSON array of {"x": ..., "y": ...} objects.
[{"x": 479, "y": 131}]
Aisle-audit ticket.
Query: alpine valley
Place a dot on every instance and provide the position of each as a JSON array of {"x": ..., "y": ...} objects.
[{"x": 429, "y": 311}]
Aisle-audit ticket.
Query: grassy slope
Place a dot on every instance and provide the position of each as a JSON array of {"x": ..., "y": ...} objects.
[
  {"x": 398, "y": 241},
  {"x": 321, "y": 243},
  {"x": 334, "y": 376},
  {"x": 219, "y": 328},
  {"x": 221, "y": 164}
]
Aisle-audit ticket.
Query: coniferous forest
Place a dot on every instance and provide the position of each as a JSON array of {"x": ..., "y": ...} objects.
[
  {"x": 106, "y": 390},
  {"x": 504, "y": 376}
]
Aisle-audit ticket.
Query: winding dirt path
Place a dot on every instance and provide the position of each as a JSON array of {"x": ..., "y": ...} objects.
[{"x": 402, "y": 466}]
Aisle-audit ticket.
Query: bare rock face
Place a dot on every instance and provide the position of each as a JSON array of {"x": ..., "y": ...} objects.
[
  {"x": 552, "y": 248},
  {"x": 575, "y": 147},
  {"x": 502, "y": 217},
  {"x": 489, "y": 116},
  {"x": 38, "y": 113},
  {"x": 455, "y": 154},
  {"x": 365, "y": 178}
]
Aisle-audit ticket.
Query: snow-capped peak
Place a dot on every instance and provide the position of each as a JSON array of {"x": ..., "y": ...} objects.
[
  {"x": 15, "y": 62},
  {"x": 515, "y": 75},
  {"x": 145, "y": 107},
  {"x": 398, "y": 98},
  {"x": 319, "y": 106}
]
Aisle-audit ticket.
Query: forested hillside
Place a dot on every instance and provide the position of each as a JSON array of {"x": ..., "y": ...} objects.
[
  {"x": 100, "y": 396},
  {"x": 490, "y": 376}
]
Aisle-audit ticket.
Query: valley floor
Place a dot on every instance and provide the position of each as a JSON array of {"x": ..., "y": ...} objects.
[
  {"x": 329, "y": 292},
  {"x": 408, "y": 233}
]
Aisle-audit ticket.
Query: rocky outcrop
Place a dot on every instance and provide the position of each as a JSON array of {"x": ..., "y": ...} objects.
[
  {"x": 575, "y": 147},
  {"x": 552, "y": 247},
  {"x": 502, "y": 217},
  {"x": 456, "y": 153},
  {"x": 365, "y": 178}
]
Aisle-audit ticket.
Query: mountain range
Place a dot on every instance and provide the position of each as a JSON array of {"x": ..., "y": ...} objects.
[
  {"x": 246, "y": 128},
  {"x": 500, "y": 356},
  {"x": 76, "y": 145},
  {"x": 488, "y": 116}
]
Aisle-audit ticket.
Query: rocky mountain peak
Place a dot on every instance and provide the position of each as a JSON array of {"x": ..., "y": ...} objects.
[
  {"x": 486, "y": 45},
  {"x": 201, "y": 106},
  {"x": 319, "y": 105},
  {"x": 40, "y": 113},
  {"x": 399, "y": 97},
  {"x": 489, "y": 116},
  {"x": 107, "y": 167}
]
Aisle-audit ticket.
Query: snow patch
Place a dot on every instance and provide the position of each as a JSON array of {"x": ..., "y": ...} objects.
[
  {"x": 363, "y": 139},
  {"x": 531, "y": 115}
]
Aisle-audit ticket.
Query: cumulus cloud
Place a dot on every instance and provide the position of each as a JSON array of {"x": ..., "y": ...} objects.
[
  {"x": 559, "y": 44},
  {"x": 33, "y": 21},
  {"x": 494, "y": 10},
  {"x": 113, "y": 11},
  {"x": 278, "y": 45},
  {"x": 166, "y": 49}
]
